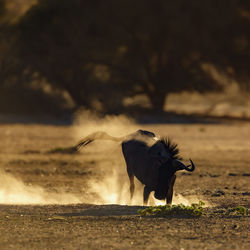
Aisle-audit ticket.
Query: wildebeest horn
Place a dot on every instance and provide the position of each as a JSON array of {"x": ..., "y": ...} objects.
[
  {"x": 192, "y": 166},
  {"x": 180, "y": 166}
]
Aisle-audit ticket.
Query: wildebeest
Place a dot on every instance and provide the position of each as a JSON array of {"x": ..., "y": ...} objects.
[{"x": 152, "y": 161}]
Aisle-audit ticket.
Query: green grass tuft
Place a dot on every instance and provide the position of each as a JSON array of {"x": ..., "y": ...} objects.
[
  {"x": 196, "y": 209},
  {"x": 239, "y": 210},
  {"x": 233, "y": 211}
]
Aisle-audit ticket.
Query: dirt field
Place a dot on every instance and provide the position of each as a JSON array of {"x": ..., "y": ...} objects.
[{"x": 47, "y": 201}]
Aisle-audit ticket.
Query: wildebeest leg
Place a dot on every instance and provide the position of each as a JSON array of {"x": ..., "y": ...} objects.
[
  {"x": 170, "y": 190},
  {"x": 131, "y": 180},
  {"x": 132, "y": 186},
  {"x": 146, "y": 193}
]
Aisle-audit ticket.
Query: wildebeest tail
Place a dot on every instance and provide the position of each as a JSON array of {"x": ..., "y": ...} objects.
[{"x": 96, "y": 136}]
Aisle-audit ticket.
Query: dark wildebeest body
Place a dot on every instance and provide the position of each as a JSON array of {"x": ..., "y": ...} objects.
[{"x": 152, "y": 161}]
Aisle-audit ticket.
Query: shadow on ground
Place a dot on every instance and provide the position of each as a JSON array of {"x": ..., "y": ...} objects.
[{"x": 106, "y": 210}]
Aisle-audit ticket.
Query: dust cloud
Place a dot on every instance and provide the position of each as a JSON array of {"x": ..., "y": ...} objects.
[
  {"x": 112, "y": 185},
  {"x": 14, "y": 191},
  {"x": 109, "y": 184},
  {"x": 114, "y": 189},
  {"x": 111, "y": 189},
  {"x": 86, "y": 122}
]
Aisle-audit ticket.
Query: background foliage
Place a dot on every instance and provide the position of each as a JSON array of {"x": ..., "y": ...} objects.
[{"x": 97, "y": 53}]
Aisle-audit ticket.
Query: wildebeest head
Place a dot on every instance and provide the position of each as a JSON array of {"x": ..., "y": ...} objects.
[{"x": 170, "y": 164}]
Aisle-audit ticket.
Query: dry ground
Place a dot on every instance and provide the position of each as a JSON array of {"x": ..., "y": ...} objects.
[{"x": 220, "y": 152}]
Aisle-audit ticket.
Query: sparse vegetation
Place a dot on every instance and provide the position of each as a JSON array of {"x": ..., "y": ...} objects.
[
  {"x": 218, "y": 193},
  {"x": 239, "y": 210},
  {"x": 60, "y": 150},
  {"x": 196, "y": 209},
  {"x": 232, "y": 211}
]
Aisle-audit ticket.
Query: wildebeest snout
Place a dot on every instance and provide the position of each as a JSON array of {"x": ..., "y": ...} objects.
[{"x": 160, "y": 196}]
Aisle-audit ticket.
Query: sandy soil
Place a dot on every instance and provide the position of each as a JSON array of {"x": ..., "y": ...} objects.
[{"x": 29, "y": 175}]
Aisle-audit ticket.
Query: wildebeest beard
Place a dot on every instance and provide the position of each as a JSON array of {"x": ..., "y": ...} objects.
[{"x": 166, "y": 171}]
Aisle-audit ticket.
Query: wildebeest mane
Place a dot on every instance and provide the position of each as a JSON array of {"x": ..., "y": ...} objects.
[{"x": 171, "y": 147}]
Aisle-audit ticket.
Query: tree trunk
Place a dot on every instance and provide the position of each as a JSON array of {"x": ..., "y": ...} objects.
[
  {"x": 157, "y": 100},
  {"x": 76, "y": 95}
]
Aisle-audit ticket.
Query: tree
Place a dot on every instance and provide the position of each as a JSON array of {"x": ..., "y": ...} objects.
[
  {"x": 169, "y": 43},
  {"x": 8, "y": 59},
  {"x": 98, "y": 49}
]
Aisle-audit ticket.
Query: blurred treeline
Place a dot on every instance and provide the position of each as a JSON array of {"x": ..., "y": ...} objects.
[{"x": 60, "y": 54}]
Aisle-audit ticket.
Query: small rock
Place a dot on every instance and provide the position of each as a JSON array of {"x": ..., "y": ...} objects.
[
  {"x": 185, "y": 174},
  {"x": 214, "y": 175},
  {"x": 207, "y": 192},
  {"x": 246, "y": 174},
  {"x": 220, "y": 211},
  {"x": 246, "y": 193},
  {"x": 218, "y": 193}
]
